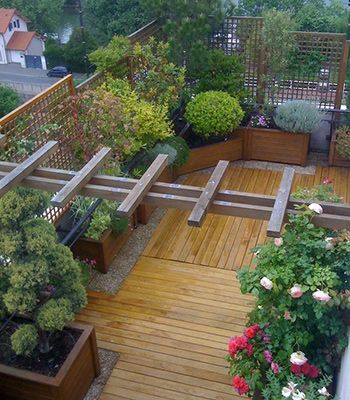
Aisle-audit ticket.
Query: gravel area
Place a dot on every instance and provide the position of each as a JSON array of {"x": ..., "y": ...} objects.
[
  {"x": 108, "y": 359},
  {"x": 128, "y": 256}
]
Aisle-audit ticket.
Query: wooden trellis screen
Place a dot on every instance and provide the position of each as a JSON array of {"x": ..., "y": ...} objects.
[
  {"x": 132, "y": 192},
  {"x": 313, "y": 52}
]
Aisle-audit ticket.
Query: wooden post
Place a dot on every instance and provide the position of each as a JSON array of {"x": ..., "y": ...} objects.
[
  {"x": 342, "y": 75},
  {"x": 262, "y": 68}
]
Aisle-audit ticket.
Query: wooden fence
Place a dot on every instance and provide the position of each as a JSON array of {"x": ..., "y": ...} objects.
[{"x": 317, "y": 70}]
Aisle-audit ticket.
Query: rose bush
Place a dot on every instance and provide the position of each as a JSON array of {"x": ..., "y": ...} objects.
[{"x": 296, "y": 333}]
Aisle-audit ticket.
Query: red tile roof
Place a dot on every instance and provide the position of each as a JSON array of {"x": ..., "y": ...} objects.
[
  {"x": 20, "y": 40},
  {"x": 5, "y": 17}
]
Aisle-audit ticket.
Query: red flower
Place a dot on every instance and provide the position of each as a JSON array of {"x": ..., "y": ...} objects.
[
  {"x": 327, "y": 181},
  {"x": 237, "y": 343},
  {"x": 249, "y": 349},
  {"x": 314, "y": 372},
  {"x": 251, "y": 331},
  {"x": 240, "y": 385},
  {"x": 296, "y": 369}
]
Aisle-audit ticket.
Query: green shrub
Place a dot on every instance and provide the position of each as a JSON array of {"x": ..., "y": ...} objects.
[
  {"x": 214, "y": 113},
  {"x": 343, "y": 141},
  {"x": 297, "y": 116},
  {"x": 24, "y": 340},
  {"x": 38, "y": 277},
  {"x": 9, "y": 100},
  {"x": 322, "y": 192},
  {"x": 222, "y": 72},
  {"x": 106, "y": 58},
  {"x": 175, "y": 147}
]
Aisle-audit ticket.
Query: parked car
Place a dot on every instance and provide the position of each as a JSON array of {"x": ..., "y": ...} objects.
[{"x": 59, "y": 71}]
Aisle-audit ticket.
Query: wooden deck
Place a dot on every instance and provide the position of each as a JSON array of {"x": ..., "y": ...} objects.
[{"x": 173, "y": 316}]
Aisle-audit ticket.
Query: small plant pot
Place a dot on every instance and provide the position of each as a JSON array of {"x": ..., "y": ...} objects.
[
  {"x": 104, "y": 250},
  {"x": 70, "y": 383}
]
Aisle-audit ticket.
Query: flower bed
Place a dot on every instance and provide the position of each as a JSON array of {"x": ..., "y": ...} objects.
[{"x": 297, "y": 332}]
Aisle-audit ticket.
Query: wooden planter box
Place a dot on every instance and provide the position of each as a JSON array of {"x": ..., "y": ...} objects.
[
  {"x": 274, "y": 145},
  {"x": 71, "y": 382},
  {"x": 105, "y": 249},
  {"x": 209, "y": 155},
  {"x": 335, "y": 159}
]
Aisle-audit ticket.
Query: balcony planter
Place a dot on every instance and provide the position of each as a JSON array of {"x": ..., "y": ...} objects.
[
  {"x": 70, "y": 383},
  {"x": 104, "y": 250},
  {"x": 274, "y": 145}
]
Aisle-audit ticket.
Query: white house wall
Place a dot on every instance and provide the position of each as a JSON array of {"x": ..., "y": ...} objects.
[
  {"x": 35, "y": 47},
  {"x": 15, "y": 56},
  {"x": 22, "y": 28},
  {"x": 3, "y": 58}
]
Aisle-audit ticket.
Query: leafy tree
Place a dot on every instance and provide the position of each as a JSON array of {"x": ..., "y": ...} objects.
[
  {"x": 107, "y": 18},
  {"x": 38, "y": 277},
  {"x": 75, "y": 51},
  {"x": 44, "y": 15},
  {"x": 9, "y": 100},
  {"x": 187, "y": 24},
  {"x": 258, "y": 7},
  {"x": 317, "y": 16},
  {"x": 54, "y": 53}
]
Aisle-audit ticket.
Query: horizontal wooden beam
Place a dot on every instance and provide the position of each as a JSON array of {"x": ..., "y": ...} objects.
[
  {"x": 243, "y": 210},
  {"x": 79, "y": 180},
  {"x": 208, "y": 194},
  {"x": 175, "y": 189},
  {"x": 278, "y": 215},
  {"x": 142, "y": 186},
  {"x": 24, "y": 169}
]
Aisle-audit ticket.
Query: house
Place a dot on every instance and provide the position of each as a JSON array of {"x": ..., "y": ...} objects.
[{"x": 17, "y": 45}]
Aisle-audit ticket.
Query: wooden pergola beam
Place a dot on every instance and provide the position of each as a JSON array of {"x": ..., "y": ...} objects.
[
  {"x": 208, "y": 194},
  {"x": 81, "y": 178},
  {"x": 142, "y": 186},
  {"x": 24, "y": 169},
  {"x": 278, "y": 215}
]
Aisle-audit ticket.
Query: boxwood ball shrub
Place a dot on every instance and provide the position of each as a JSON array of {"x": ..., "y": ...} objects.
[
  {"x": 297, "y": 116},
  {"x": 214, "y": 113}
]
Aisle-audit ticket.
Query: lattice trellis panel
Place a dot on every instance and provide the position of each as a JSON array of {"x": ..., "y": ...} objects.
[
  {"x": 45, "y": 117},
  {"x": 242, "y": 36},
  {"x": 314, "y": 71}
]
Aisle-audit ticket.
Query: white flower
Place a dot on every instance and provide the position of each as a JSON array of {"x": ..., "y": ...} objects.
[
  {"x": 324, "y": 392},
  {"x": 298, "y": 358},
  {"x": 322, "y": 296},
  {"x": 278, "y": 242},
  {"x": 316, "y": 208},
  {"x": 298, "y": 395},
  {"x": 266, "y": 283},
  {"x": 329, "y": 243},
  {"x": 286, "y": 392}
]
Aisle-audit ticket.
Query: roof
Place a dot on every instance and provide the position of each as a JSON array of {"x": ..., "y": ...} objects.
[
  {"x": 20, "y": 40},
  {"x": 6, "y": 15}
]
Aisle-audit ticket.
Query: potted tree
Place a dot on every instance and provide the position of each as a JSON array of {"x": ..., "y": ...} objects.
[{"x": 44, "y": 355}]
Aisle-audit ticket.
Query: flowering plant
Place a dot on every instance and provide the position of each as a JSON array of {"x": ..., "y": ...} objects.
[
  {"x": 323, "y": 192},
  {"x": 301, "y": 283},
  {"x": 260, "y": 121}
]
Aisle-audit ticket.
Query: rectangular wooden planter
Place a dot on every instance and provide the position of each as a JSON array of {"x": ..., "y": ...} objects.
[
  {"x": 274, "y": 145},
  {"x": 209, "y": 155},
  {"x": 71, "y": 382},
  {"x": 105, "y": 249},
  {"x": 335, "y": 159}
]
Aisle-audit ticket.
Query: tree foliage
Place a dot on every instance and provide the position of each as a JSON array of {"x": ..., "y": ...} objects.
[
  {"x": 44, "y": 15},
  {"x": 187, "y": 24},
  {"x": 9, "y": 100},
  {"x": 38, "y": 276},
  {"x": 107, "y": 18}
]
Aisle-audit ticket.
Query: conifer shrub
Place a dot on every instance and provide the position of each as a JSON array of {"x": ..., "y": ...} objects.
[
  {"x": 297, "y": 116},
  {"x": 214, "y": 113},
  {"x": 39, "y": 277}
]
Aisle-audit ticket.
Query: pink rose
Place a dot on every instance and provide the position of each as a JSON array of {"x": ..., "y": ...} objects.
[
  {"x": 275, "y": 367},
  {"x": 278, "y": 242},
  {"x": 296, "y": 291},
  {"x": 266, "y": 283},
  {"x": 287, "y": 316},
  {"x": 322, "y": 296}
]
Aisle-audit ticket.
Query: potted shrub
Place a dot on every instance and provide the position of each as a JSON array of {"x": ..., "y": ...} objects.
[
  {"x": 296, "y": 332},
  {"x": 340, "y": 147},
  {"x": 105, "y": 233},
  {"x": 43, "y": 355},
  {"x": 213, "y": 115},
  {"x": 295, "y": 121}
]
